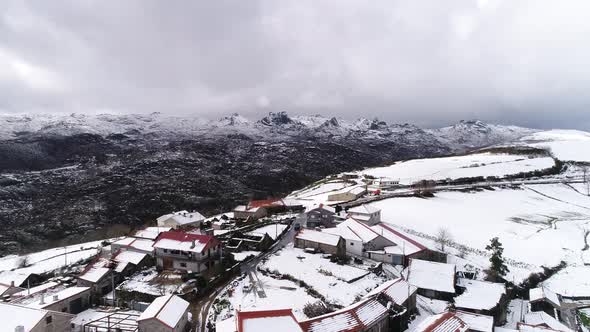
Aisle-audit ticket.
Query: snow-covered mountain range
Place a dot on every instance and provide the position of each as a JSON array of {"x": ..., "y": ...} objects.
[{"x": 463, "y": 135}]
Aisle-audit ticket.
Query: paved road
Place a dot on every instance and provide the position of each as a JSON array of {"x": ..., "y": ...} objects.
[{"x": 250, "y": 266}]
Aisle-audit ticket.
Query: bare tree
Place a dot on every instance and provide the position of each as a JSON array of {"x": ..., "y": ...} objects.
[{"x": 443, "y": 238}]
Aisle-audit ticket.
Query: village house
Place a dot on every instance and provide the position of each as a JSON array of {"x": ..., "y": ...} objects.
[
  {"x": 403, "y": 249},
  {"x": 281, "y": 320},
  {"x": 71, "y": 300},
  {"x": 140, "y": 245},
  {"x": 321, "y": 216},
  {"x": 181, "y": 219},
  {"x": 399, "y": 292},
  {"x": 348, "y": 195},
  {"x": 19, "y": 318},
  {"x": 19, "y": 279},
  {"x": 360, "y": 238},
  {"x": 366, "y": 214},
  {"x": 443, "y": 322},
  {"x": 150, "y": 233},
  {"x": 543, "y": 320},
  {"x": 476, "y": 322},
  {"x": 383, "y": 184},
  {"x": 166, "y": 313},
  {"x": 321, "y": 241},
  {"x": 482, "y": 297},
  {"x": 97, "y": 276},
  {"x": 367, "y": 315},
  {"x": 187, "y": 252},
  {"x": 544, "y": 299},
  {"x": 245, "y": 212},
  {"x": 129, "y": 262},
  {"x": 433, "y": 280}
]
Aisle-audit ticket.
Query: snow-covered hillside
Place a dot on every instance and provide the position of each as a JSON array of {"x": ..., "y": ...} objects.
[
  {"x": 472, "y": 165},
  {"x": 571, "y": 145}
]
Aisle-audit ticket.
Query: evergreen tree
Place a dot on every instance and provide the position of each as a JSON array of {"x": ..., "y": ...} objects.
[{"x": 498, "y": 268}]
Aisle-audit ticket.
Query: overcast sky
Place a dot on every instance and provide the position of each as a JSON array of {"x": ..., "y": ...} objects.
[{"x": 427, "y": 62}]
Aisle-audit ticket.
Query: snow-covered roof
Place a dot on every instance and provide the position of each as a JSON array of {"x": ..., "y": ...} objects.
[
  {"x": 522, "y": 327},
  {"x": 357, "y": 190},
  {"x": 323, "y": 207},
  {"x": 151, "y": 232},
  {"x": 431, "y": 275},
  {"x": 408, "y": 245},
  {"x": 145, "y": 245},
  {"x": 363, "y": 209},
  {"x": 542, "y": 293},
  {"x": 244, "y": 208},
  {"x": 51, "y": 297},
  {"x": 16, "y": 315},
  {"x": 95, "y": 274},
  {"x": 7, "y": 277},
  {"x": 542, "y": 318},
  {"x": 476, "y": 322},
  {"x": 128, "y": 256},
  {"x": 281, "y": 320},
  {"x": 319, "y": 237},
  {"x": 182, "y": 217},
  {"x": 479, "y": 295},
  {"x": 186, "y": 242},
  {"x": 357, "y": 317},
  {"x": 570, "y": 282},
  {"x": 444, "y": 322},
  {"x": 167, "y": 309},
  {"x": 353, "y": 230},
  {"x": 397, "y": 290},
  {"x": 36, "y": 289}
]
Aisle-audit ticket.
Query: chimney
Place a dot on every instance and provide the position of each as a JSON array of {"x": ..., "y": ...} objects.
[
  {"x": 184, "y": 214},
  {"x": 55, "y": 298},
  {"x": 19, "y": 328},
  {"x": 12, "y": 283},
  {"x": 193, "y": 244},
  {"x": 42, "y": 301}
]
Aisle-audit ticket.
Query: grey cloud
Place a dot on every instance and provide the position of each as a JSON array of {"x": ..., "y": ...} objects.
[{"x": 427, "y": 62}]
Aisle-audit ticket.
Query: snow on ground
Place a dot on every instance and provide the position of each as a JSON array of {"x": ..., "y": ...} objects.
[
  {"x": 280, "y": 294},
  {"x": 570, "y": 145},
  {"x": 318, "y": 193},
  {"x": 329, "y": 279},
  {"x": 572, "y": 281},
  {"x": 272, "y": 230},
  {"x": 240, "y": 256},
  {"x": 542, "y": 218},
  {"x": 482, "y": 164},
  {"x": 150, "y": 282},
  {"x": 51, "y": 259}
]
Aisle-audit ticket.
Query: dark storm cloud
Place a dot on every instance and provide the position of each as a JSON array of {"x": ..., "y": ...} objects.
[{"x": 428, "y": 62}]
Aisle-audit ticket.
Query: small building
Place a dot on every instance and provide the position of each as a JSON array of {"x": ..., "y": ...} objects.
[
  {"x": 130, "y": 261},
  {"x": 399, "y": 292},
  {"x": 366, "y": 214},
  {"x": 281, "y": 320},
  {"x": 384, "y": 183},
  {"x": 71, "y": 300},
  {"x": 321, "y": 216},
  {"x": 433, "y": 280},
  {"x": 321, "y": 241},
  {"x": 98, "y": 276},
  {"x": 251, "y": 241},
  {"x": 404, "y": 248},
  {"x": 542, "y": 319},
  {"x": 360, "y": 238},
  {"x": 19, "y": 279},
  {"x": 166, "y": 313},
  {"x": 140, "y": 245},
  {"x": 544, "y": 299},
  {"x": 21, "y": 318},
  {"x": 181, "y": 219},
  {"x": 150, "y": 233},
  {"x": 482, "y": 297},
  {"x": 476, "y": 322},
  {"x": 187, "y": 252},
  {"x": 367, "y": 315},
  {"x": 348, "y": 195},
  {"x": 244, "y": 212}
]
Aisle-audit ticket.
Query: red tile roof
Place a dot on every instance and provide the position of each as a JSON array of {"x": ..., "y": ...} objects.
[
  {"x": 265, "y": 203},
  {"x": 208, "y": 240}
]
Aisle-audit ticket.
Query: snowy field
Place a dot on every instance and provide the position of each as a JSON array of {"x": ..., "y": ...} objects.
[
  {"x": 569, "y": 145},
  {"x": 150, "y": 282},
  {"x": 278, "y": 294},
  {"x": 49, "y": 260},
  {"x": 319, "y": 192},
  {"x": 547, "y": 219},
  {"x": 482, "y": 164},
  {"x": 329, "y": 279}
]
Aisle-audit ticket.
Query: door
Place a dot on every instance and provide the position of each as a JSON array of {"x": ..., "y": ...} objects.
[{"x": 167, "y": 263}]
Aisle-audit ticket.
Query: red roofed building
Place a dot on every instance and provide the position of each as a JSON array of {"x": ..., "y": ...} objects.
[
  {"x": 266, "y": 321},
  {"x": 176, "y": 250},
  {"x": 445, "y": 322}
]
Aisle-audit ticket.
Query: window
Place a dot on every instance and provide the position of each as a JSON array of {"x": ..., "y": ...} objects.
[
  {"x": 182, "y": 264},
  {"x": 166, "y": 250},
  {"x": 48, "y": 320},
  {"x": 352, "y": 243}
]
